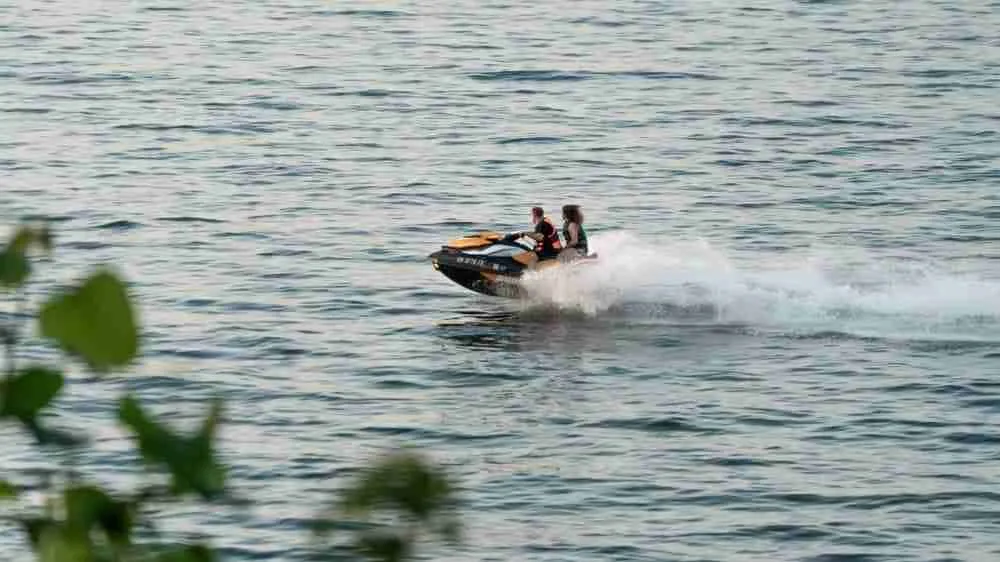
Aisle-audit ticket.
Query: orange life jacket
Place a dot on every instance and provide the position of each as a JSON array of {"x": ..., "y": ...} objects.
[{"x": 553, "y": 236}]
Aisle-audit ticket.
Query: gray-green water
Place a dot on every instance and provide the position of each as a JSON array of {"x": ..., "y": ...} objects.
[{"x": 790, "y": 351}]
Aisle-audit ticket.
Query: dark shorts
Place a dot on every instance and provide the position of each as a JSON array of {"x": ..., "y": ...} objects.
[{"x": 550, "y": 255}]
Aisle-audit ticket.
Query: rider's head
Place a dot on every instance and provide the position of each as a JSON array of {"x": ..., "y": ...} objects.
[
  {"x": 537, "y": 214},
  {"x": 572, "y": 213}
]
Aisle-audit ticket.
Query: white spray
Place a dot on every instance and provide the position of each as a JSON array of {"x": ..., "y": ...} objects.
[{"x": 824, "y": 290}]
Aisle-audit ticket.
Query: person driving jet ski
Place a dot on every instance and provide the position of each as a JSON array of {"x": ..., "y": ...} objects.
[{"x": 545, "y": 235}]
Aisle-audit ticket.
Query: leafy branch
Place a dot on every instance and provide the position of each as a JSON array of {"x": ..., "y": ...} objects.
[{"x": 391, "y": 505}]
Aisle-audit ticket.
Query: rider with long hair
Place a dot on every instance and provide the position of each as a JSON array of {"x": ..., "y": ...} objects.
[{"x": 573, "y": 233}]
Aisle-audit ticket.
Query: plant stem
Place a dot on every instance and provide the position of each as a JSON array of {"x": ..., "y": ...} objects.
[
  {"x": 8, "y": 343},
  {"x": 9, "y": 333}
]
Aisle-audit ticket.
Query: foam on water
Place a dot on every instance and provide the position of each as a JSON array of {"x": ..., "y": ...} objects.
[{"x": 823, "y": 289}]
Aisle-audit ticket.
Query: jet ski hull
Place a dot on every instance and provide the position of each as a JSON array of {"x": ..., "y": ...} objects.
[
  {"x": 488, "y": 264},
  {"x": 495, "y": 278}
]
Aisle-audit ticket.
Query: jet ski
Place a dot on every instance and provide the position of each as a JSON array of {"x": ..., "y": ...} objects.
[{"x": 491, "y": 263}]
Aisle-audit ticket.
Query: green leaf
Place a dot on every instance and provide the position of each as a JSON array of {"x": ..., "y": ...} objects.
[
  {"x": 383, "y": 546},
  {"x": 23, "y": 396},
  {"x": 417, "y": 493},
  {"x": 58, "y": 544},
  {"x": 209, "y": 477},
  {"x": 194, "y": 553},
  {"x": 24, "y": 239},
  {"x": 34, "y": 527},
  {"x": 190, "y": 460},
  {"x": 156, "y": 443},
  {"x": 403, "y": 481},
  {"x": 28, "y": 391},
  {"x": 45, "y": 239},
  {"x": 7, "y": 490},
  {"x": 95, "y": 322},
  {"x": 53, "y": 542},
  {"x": 88, "y": 507},
  {"x": 14, "y": 266}
]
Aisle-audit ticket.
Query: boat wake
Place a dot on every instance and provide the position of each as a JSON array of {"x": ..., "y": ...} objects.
[{"x": 835, "y": 290}]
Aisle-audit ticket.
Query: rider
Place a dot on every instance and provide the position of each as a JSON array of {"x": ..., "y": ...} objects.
[
  {"x": 547, "y": 239},
  {"x": 576, "y": 237}
]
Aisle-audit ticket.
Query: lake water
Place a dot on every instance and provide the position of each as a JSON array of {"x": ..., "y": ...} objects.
[{"x": 790, "y": 348}]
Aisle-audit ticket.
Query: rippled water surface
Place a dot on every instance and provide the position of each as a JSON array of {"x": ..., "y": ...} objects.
[{"x": 789, "y": 350}]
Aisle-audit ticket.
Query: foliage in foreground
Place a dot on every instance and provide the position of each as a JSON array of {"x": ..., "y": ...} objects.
[{"x": 379, "y": 516}]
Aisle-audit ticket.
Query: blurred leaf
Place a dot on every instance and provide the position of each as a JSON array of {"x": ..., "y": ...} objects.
[
  {"x": 403, "y": 481},
  {"x": 159, "y": 552},
  {"x": 34, "y": 527},
  {"x": 193, "y": 553},
  {"x": 28, "y": 391},
  {"x": 14, "y": 268},
  {"x": 88, "y": 507},
  {"x": 155, "y": 442},
  {"x": 202, "y": 442},
  {"x": 190, "y": 460},
  {"x": 384, "y": 546},
  {"x": 417, "y": 494},
  {"x": 95, "y": 322},
  {"x": 45, "y": 239},
  {"x": 24, "y": 238},
  {"x": 7, "y": 490},
  {"x": 25, "y": 394},
  {"x": 58, "y": 544}
]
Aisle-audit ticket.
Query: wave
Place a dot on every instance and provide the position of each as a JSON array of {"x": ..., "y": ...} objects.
[{"x": 840, "y": 290}]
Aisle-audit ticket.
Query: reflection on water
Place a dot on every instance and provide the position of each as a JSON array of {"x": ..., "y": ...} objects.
[{"x": 553, "y": 328}]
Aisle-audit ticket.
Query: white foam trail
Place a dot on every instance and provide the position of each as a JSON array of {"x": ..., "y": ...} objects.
[{"x": 838, "y": 289}]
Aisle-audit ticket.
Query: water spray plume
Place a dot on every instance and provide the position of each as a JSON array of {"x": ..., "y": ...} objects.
[{"x": 837, "y": 289}]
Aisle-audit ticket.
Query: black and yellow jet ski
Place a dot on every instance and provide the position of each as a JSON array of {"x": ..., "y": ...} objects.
[{"x": 490, "y": 263}]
